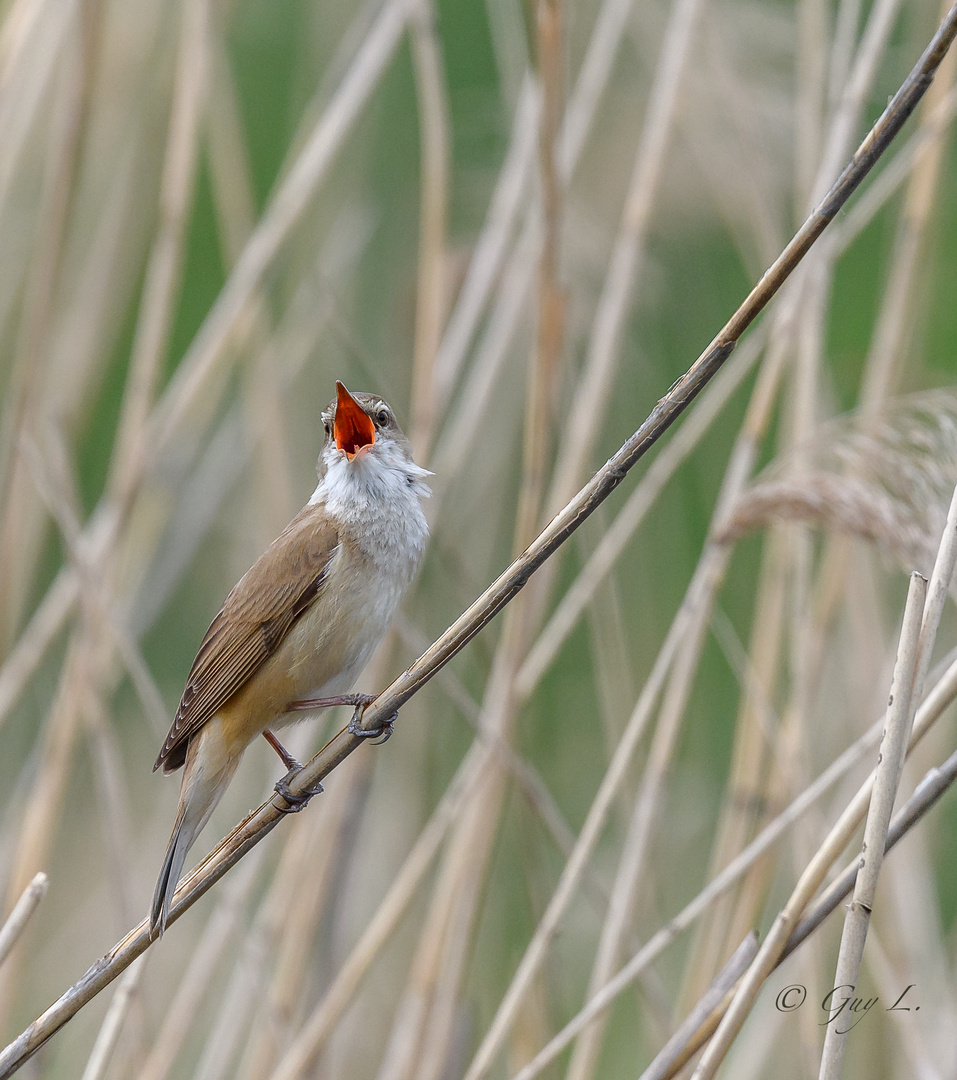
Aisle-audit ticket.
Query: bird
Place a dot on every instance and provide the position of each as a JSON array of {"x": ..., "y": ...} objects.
[{"x": 299, "y": 626}]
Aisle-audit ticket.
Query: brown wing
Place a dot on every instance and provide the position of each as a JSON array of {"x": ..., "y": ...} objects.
[{"x": 254, "y": 619}]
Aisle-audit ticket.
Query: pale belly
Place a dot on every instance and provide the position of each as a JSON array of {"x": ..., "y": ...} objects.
[{"x": 321, "y": 656}]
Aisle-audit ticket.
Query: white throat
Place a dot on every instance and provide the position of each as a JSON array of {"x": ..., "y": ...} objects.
[{"x": 378, "y": 497}]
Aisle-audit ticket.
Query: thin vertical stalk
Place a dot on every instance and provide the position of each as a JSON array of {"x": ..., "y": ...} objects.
[
  {"x": 166, "y": 254},
  {"x": 890, "y": 765},
  {"x": 434, "y": 139}
]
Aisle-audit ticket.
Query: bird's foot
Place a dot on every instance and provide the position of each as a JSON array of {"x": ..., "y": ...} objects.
[
  {"x": 380, "y": 734},
  {"x": 296, "y": 799}
]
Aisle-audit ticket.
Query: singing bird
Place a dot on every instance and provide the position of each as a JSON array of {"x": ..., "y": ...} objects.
[{"x": 303, "y": 621}]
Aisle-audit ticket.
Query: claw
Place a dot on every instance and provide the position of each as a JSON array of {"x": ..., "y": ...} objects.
[
  {"x": 296, "y": 799},
  {"x": 380, "y": 734}
]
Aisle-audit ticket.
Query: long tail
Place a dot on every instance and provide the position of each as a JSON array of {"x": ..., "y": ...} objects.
[
  {"x": 207, "y": 773},
  {"x": 179, "y": 844}
]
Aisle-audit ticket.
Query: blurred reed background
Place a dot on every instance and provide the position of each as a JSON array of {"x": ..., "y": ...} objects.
[{"x": 519, "y": 222}]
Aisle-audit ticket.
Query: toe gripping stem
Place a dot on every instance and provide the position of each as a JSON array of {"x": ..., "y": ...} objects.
[
  {"x": 380, "y": 734},
  {"x": 296, "y": 799}
]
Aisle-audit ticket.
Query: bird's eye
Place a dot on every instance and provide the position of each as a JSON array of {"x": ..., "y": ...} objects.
[
  {"x": 382, "y": 417},
  {"x": 328, "y": 428}
]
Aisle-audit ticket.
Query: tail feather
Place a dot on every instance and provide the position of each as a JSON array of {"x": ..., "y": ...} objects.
[
  {"x": 179, "y": 844},
  {"x": 209, "y": 768}
]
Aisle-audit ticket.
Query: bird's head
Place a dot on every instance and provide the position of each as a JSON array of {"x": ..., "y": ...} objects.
[{"x": 364, "y": 441}]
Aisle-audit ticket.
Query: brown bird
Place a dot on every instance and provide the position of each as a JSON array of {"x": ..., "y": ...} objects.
[{"x": 303, "y": 621}]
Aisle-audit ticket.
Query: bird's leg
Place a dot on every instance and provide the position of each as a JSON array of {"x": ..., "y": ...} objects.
[
  {"x": 287, "y": 759},
  {"x": 381, "y": 734},
  {"x": 354, "y": 700},
  {"x": 296, "y": 800}
]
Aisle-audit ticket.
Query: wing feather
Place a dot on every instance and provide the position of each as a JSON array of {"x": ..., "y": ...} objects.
[{"x": 283, "y": 582}]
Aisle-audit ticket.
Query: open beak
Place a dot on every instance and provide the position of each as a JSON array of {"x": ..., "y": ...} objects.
[{"x": 353, "y": 429}]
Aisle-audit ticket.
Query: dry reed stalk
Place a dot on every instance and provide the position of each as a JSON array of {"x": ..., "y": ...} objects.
[
  {"x": 61, "y": 373},
  {"x": 634, "y": 850},
  {"x": 788, "y": 557},
  {"x": 24, "y": 47},
  {"x": 610, "y": 657},
  {"x": 115, "y": 808},
  {"x": 227, "y": 156},
  {"x": 40, "y": 815},
  {"x": 895, "y": 174},
  {"x": 916, "y": 1057},
  {"x": 674, "y": 1052},
  {"x": 23, "y": 521},
  {"x": 940, "y": 697},
  {"x": 234, "y": 203},
  {"x": 480, "y": 384},
  {"x": 77, "y": 698},
  {"x": 56, "y": 488},
  {"x": 265, "y": 415},
  {"x": 902, "y": 704},
  {"x": 195, "y": 980},
  {"x": 293, "y": 908},
  {"x": 591, "y": 82},
  {"x": 853, "y": 93},
  {"x": 618, "y": 289},
  {"x": 695, "y": 615},
  {"x": 811, "y": 65},
  {"x": 740, "y": 817},
  {"x": 589, "y": 406},
  {"x": 161, "y": 280},
  {"x": 925, "y": 795},
  {"x": 573, "y": 869},
  {"x": 435, "y": 154},
  {"x": 46, "y": 622},
  {"x": 839, "y": 835},
  {"x": 164, "y": 265},
  {"x": 887, "y": 342},
  {"x": 282, "y": 930},
  {"x": 713, "y": 563},
  {"x": 490, "y": 249},
  {"x": 526, "y": 777},
  {"x": 23, "y": 909},
  {"x": 109, "y": 1033},
  {"x": 594, "y": 383},
  {"x": 583, "y": 101},
  {"x": 304, "y": 1049},
  {"x": 545, "y": 376},
  {"x": 695, "y": 908},
  {"x": 445, "y": 943},
  {"x": 894, "y": 313},
  {"x": 580, "y": 593},
  {"x": 235, "y": 1009},
  {"x": 285, "y": 207}
]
